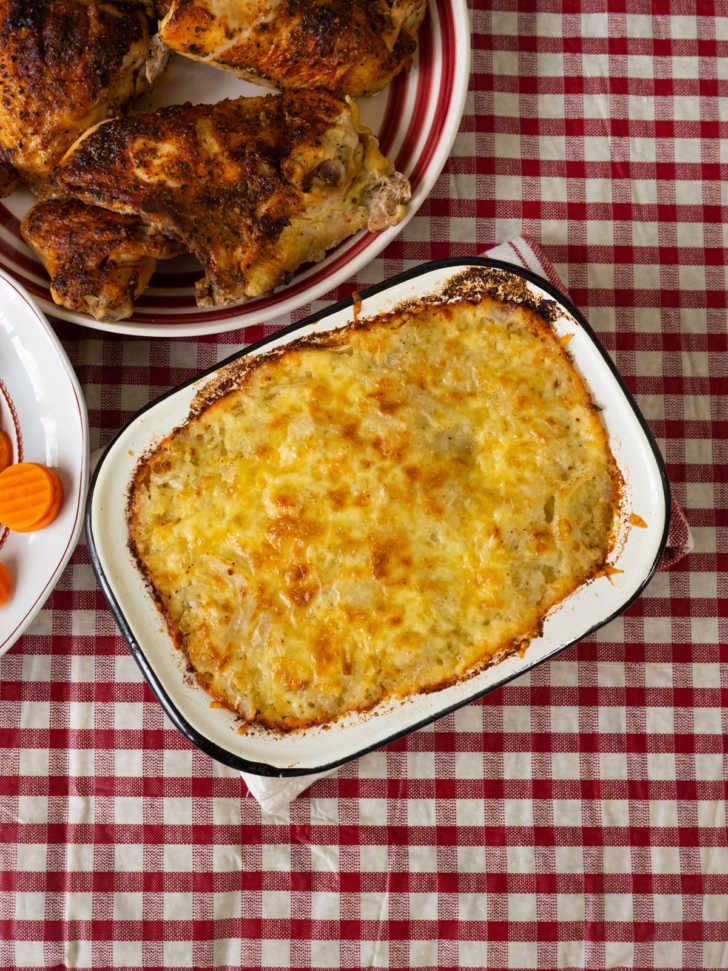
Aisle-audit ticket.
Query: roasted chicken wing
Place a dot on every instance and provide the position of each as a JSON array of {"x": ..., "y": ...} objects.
[
  {"x": 349, "y": 46},
  {"x": 98, "y": 261},
  {"x": 252, "y": 187},
  {"x": 64, "y": 66}
]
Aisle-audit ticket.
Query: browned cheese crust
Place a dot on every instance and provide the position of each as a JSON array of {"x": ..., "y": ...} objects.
[
  {"x": 376, "y": 512},
  {"x": 98, "y": 261}
]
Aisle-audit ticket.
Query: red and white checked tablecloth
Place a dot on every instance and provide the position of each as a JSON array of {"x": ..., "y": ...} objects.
[{"x": 575, "y": 819}]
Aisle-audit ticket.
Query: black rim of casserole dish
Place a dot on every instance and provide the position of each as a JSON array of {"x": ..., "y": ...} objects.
[{"x": 260, "y": 768}]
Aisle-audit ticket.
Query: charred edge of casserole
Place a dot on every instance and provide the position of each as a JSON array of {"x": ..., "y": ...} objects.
[
  {"x": 288, "y": 725},
  {"x": 302, "y": 724},
  {"x": 478, "y": 281},
  {"x": 475, "y": 283},
  {"x": 469, "y": 288}
]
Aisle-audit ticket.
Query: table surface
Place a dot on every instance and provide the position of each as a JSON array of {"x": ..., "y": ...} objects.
[{"x": 575, "y": 819}]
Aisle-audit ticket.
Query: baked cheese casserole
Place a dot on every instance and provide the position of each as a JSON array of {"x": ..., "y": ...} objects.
[{"x": 376, "y": 512}]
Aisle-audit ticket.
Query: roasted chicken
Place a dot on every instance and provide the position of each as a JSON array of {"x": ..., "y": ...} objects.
[
  {"x": 64, "y": 66},
  {"x": 351, "y": 47},
  {"x": 99, "y": 261},
  {"x": 252, "y": 187}
]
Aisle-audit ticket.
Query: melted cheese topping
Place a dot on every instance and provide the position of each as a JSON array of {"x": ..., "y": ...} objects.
[{"x": 377, "y": 513}]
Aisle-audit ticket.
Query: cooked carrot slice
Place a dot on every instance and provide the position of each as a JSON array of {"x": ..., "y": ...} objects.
[
  {"x": 52, "y": 512},
  {"x": 27, "y": 494},
  {"x": 6, "y": 584},
  {"x": 6, "y": 451}
]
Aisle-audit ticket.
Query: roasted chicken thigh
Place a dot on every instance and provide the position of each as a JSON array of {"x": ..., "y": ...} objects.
[
  {"x": 352, "y": 47},
  {"x": 64, "y": 66},
  {"x": 252, "y": 187},
  {"x": 98, "y": 261}
]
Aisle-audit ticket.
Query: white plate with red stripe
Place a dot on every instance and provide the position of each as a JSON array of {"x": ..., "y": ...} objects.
[
  {"x": 43, "y": 411},
  {"x": 416, "y": 119}
]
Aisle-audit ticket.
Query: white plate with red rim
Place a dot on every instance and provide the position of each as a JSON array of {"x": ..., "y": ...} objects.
[
  {"x": 213, "y": 729},
  {"x": 416, "y": 119},
  {"x": 43, "y": 411}
]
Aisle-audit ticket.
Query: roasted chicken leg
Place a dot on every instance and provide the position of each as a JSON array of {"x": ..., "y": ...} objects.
[
  {"x": 99, "y": 261},
  {"x": 349, "y": 46},
  {"x": 64, "y": 66},
  {"x": 252, "y": 187}
]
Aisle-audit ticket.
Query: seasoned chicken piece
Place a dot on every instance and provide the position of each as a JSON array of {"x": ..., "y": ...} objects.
[
  {"x": 252, "y": 187},
  {"x": 64, "y": 66},
  {"x": 349, "y": 46},
  {"x": 98, "y": 261}
]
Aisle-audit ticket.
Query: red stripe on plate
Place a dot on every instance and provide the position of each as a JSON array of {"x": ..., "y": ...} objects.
[
  {"x": 22, "y": 259},
  {"x": 447, "y": 32},
  {"x": 9, "y": 221},
  {"x": 424, "y": 89},
  {"x": 393, "y": 111},
  {"x": 35, "y": 289}
]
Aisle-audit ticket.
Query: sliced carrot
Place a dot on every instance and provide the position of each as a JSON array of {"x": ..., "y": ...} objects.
[
  {"x": 6, "y": 451},
  {"x": 27, "y": 495},
  {"x": 6, "y": 584},
  {"x": 52, "y": 512}
]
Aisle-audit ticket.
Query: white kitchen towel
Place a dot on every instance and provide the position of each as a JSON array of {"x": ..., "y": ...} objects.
[{"x": 275, "y": 794}]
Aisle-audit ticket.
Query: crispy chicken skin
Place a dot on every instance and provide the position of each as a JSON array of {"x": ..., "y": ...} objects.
[
  {"x": 352, "y": 47},
  {"x": 64, "y": 66},
  {"x": 253, "y": 187},
  {"x": 98, "y": 261}
]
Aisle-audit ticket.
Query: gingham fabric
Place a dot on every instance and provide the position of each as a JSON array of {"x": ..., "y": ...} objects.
[{"x": 575, "y": 819}]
